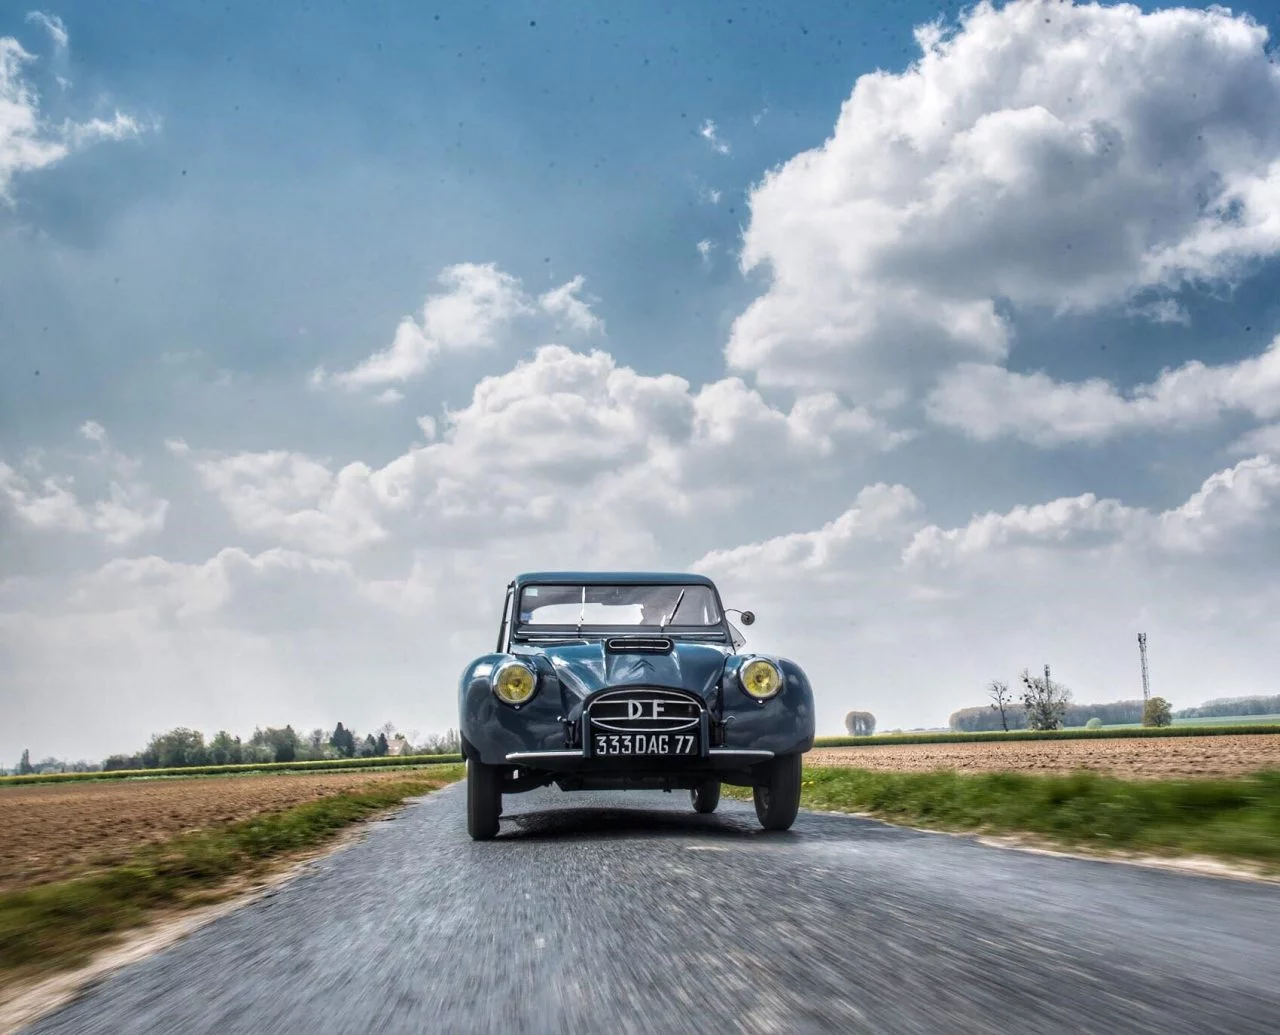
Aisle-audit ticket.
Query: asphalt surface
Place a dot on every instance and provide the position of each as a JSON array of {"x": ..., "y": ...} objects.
[{"x": 629, "y": 913}]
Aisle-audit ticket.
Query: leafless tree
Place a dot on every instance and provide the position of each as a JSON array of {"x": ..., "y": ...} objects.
[
  {"x": 1046, "y": 701},
  {"x": 1001, "y": 698}
]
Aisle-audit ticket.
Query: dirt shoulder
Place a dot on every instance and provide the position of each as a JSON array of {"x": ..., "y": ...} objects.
[{"x": 58, "y": 831}]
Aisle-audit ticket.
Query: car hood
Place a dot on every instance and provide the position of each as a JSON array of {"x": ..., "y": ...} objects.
[{"x": 584, "y": 668}]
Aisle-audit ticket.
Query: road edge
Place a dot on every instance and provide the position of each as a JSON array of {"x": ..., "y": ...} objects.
[
  {"x": 1188, "y": 865},
  {"x": 38, "y": 998}
]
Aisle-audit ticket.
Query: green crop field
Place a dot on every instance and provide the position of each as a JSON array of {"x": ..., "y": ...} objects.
[
  {"x": 323, "y": 765},
  {"x": 1229, "y": 720}
]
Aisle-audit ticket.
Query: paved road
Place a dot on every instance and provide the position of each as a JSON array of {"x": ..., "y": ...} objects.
[{"x": 629, "y": 913}]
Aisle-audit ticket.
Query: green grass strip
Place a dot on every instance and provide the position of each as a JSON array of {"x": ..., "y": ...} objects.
[
  {"x": 1113, "y": 733},
  {"x": 1232, "y": 819},
  {"x": 60, "y": 924},
  {"x": 321, "y": 765}
]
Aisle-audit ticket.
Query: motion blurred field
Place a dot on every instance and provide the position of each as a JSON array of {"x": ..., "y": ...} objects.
[
  {"x": 1140, "y": 758},
  {"x": 63, "y": 829},
  {"x": 53, "y": 831}
]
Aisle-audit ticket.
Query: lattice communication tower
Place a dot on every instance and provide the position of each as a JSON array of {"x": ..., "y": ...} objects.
[{"x": 1142, "y": 653}]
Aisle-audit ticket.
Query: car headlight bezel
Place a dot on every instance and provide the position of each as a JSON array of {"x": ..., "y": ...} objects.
[
  {"x": 513, "y": 667},
  {"x": 758, "y": 663}
]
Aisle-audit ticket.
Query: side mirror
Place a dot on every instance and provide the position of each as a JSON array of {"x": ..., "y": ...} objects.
[{"x": 748, "y": 617}]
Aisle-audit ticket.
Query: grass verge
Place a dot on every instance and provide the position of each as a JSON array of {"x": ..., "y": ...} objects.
[
  {"x": 1078, "y": 733},
  {"x": 61, "y": 924},
  {"x": 1227, "y": 819}
]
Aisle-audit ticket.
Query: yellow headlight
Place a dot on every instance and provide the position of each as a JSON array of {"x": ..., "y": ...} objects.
[
  {"x": 514, "y": 683},
  {"x": 760, "y": 678}
]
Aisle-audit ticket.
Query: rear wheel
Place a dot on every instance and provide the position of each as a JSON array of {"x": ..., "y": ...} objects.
[
  {"x": 706, "y": 796},
  {"x": 777, "y": 792},
  {"x": 484, "y": 799}
]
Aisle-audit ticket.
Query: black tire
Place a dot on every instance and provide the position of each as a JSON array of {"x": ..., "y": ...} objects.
[
  {"x": 777, "y": 792},
  {"x": 706, "y": 796},
  {"x": 484, "y": 799}
]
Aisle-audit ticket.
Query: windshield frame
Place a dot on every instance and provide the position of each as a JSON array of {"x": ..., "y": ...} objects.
[{"x": 533, "y": 634}]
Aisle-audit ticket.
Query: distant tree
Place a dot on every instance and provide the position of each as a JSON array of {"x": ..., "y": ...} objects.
[
  {"x": 1093, "y": 724},
  {"x": 1001, "y": 698},
  {"x": 1045, "y": 702},
  {"x": 285, "y": 743},
  {"x": 447, "y": 743},
  {"x": 368, "y": 747},
  {"x": 115, "y": 763},
  {"x": 225, "y": 749},
  {"x": 178, "y": 748},
  {"x": 24, "y": 763},
  {"x": 281, "y": 744},
  {"x": 381, "y": 746},
  {"x": 343, "y": 741},
  {"x": 1157, "y": 713},
  {"x": 860, "y": 724},
  {"x": 257, "y": 754}
]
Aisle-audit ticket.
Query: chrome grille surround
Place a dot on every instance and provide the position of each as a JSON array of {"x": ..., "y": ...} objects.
[{"x": 645, "y": 709}]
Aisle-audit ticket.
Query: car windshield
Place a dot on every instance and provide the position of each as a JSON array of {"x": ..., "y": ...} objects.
[{"x": 618, "y": 605}]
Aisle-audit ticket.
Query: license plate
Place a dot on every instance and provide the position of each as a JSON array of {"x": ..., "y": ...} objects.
[{"x": 611, "y": 744}]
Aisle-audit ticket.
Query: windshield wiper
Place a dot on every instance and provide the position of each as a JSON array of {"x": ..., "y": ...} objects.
[{"x": 666, "y": 618}]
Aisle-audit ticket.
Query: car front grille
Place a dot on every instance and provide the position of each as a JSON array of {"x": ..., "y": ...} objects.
[{"x": 645, "y": 710}]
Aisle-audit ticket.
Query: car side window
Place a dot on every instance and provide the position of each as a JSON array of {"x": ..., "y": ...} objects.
[{"x": 506, "y": 620}]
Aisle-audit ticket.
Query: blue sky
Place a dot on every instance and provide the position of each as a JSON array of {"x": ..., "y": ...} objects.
[
  {"x": 347, "y": 155},
  {"x": 291, "y": 182}
]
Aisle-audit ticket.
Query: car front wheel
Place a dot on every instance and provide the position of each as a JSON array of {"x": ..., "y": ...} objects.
[
  {"x": 777, "y": 792},
  {"x": 484, "y": 799},
  {"x": 706, "y": 796}
]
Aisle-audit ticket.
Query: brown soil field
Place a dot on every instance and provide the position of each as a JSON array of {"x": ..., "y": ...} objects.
[
  {"x": 52, "y": 831},
  {"x": 1153, "y": 758}
]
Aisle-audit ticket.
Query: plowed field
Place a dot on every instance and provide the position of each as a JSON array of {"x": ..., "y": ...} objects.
[
  {"x": 1134, "y": 758},
  {"x": 51, "y": 831}
]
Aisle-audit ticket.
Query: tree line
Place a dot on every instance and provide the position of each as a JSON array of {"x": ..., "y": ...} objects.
[
  {"x": 182, "y": 747},
  {"x": 1008, "y": 710},
  {"x": 1262, "y": 704},
  {"x": 983, "y": 718},
  {"x": 1043, "y": 704}
]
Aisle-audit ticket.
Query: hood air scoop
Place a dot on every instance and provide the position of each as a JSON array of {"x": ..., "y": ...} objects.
[{"x": 639, "y": 645}]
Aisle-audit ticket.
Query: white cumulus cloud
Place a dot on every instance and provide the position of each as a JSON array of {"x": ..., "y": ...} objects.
[
  {"x": 30, "y": 142},
  {"x": 986, "y": 401},
  {"x": 566, "y": 303},
  {"x": 909, "y": 618},
  {"x": 1062, "y": 157},
  {"x": 478, "y": 300},
  {"x": 563, "y": 439},
  {"x": 122, "y": 508}
]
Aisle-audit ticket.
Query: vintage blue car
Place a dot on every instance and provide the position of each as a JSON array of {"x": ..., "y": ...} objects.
[{"x": 630, "y": 680}]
